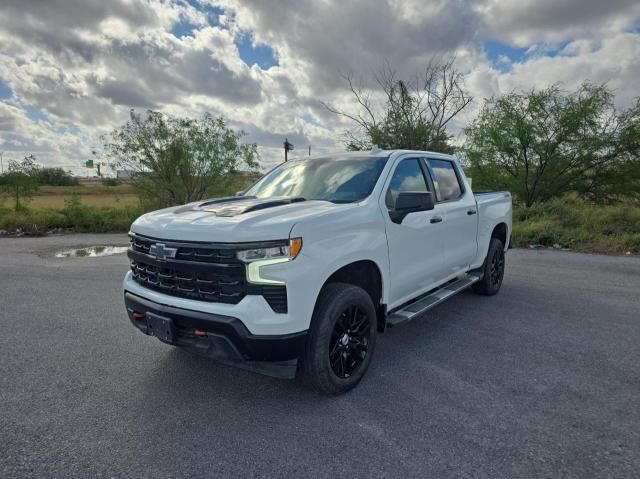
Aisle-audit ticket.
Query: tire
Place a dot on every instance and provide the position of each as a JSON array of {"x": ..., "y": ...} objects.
[
  {"x": 341, "y": 340},
  {"x": 492, "y": 270}
]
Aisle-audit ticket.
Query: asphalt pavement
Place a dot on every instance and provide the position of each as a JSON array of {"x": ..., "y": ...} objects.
[{"x": 542, "y": 380}]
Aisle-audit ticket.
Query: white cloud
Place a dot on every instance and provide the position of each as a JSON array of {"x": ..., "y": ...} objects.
[
  {"x": 80, "y": 64},
  {"x": 615, "y": 61},
  {"x": 525, "y": 22}
]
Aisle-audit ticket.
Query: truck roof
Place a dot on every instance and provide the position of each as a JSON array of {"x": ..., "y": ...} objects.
[{"x": 375, "y": 152}]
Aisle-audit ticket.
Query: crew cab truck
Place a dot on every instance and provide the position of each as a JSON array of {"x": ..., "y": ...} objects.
[{"x": 298, "y": 274}]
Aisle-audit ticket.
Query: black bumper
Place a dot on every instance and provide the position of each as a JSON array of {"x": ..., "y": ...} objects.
[{"x": 223, "y": 338}]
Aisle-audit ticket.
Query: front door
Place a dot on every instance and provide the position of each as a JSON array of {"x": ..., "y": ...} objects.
[{"x": 416, "y": 253}]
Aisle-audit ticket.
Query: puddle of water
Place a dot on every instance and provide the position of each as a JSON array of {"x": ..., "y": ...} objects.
[{"x": 92, "y": 252}]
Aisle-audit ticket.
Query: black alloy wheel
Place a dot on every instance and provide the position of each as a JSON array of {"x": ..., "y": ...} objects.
[
  {"x": 349, "y": 342},
  {"x": 497, "y": 267},
  {"x": 341, "y": 339},
  {"x": 492, "y": 270}
]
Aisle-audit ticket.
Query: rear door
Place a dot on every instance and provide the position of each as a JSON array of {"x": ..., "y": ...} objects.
[
  {"x": 458, "y": 209},
  {"x": 416, "y": 253}
]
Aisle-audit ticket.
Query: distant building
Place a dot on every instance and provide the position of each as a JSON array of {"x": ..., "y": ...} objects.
[{"x": 125, "y": 174}]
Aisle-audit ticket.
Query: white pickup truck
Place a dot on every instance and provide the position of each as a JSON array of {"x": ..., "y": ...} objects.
[{"x": 300, "y": 272}]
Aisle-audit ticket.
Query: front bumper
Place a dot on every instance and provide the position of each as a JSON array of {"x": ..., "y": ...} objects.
[
  {"x": 223, "y": 338},
  {"x": 254, "y": 311}
]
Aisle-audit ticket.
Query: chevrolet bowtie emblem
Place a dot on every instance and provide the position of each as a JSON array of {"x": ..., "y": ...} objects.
[{"x": 160, "y": 251}]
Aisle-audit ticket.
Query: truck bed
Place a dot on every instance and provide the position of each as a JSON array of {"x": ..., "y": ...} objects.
[
  {"x": 490, "y": 196},
  {"x": 493, "y": 208}
]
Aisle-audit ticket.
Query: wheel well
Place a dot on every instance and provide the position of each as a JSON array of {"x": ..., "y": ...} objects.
[
  {"x": 367, "y": 276},
  {"x": 500, "y": 232}
]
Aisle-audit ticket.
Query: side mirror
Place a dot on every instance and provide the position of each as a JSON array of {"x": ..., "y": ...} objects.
[
  {"x": 411, "y": 202},
  {"x": 239, "y": 193}
]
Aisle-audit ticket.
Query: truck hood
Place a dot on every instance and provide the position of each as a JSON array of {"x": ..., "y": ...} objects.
[{"x": 232, "y": 220}]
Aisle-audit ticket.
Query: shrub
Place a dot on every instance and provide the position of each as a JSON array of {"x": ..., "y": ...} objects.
[
  {"x": 110, "y": 181},
  {"x": 579, "y": 225},
  {"x": 54, "y": 177},
  {"x": 98, "y": 220},
  {"x": 31, "y": 221},
  {"x": 74, "y": 217},
  {"x": 20, "y": 186}
]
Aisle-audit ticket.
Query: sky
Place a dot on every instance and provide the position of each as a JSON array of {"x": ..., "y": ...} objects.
[{"x": 71, "y": 70}]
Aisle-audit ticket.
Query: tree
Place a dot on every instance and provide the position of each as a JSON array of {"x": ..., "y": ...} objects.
[
  {"x": 178, "y": 160},
  {"x": 412, "y": 114},
  {"x": 543, "y": 143},
  {"x": 20, "y": 180},
  {"x": 28, "y": 165}
]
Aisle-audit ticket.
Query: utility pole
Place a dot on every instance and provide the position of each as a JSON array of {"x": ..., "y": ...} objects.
[
  {"x": 309, "y": 150},
  {"x": 2, "y": 162},
  {"x": 287, "y": 148}
]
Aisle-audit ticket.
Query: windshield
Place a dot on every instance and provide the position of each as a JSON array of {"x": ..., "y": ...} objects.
[{"x": 337, "y": 179}]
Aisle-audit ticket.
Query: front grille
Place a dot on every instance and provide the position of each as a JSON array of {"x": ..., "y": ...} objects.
[
  {"x": 205, "y": 273},
  {"x": 213, "y": 284}
]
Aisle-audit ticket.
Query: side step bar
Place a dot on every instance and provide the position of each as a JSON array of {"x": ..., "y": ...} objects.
[{"x": 425, "y": 303}]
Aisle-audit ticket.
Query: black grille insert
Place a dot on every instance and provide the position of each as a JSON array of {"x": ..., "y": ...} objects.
[
  {"x": 190, "y": 252},
  {"x": 276, "y": 296},
  {"x": 223, "y": 285},
  {"x": 206, "y": 273}
]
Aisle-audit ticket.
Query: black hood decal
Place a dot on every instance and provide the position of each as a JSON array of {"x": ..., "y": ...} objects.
[{"x": 237, "y": 205}]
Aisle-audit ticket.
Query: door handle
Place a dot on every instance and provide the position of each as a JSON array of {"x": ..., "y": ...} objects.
[
  {"x": 436, "y": 219},
  {"x": 472, "y": 212}
]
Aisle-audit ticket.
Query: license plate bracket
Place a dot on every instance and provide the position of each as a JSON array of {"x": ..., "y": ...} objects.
[{"x": 160, "y": 327}]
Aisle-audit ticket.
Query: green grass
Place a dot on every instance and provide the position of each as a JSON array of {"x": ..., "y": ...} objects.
[
  {"x": 91, "y": 195},
  {"x": 580, "y": 226},
  {"x": 78, "y": 217},
  {"x": 93, "y": 208},
  {"x": 570, "y": 222}
]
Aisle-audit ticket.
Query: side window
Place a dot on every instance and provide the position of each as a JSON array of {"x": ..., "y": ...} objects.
[
  {"x": 445, "y": 180},
  {"x": 407, "y": 177}
]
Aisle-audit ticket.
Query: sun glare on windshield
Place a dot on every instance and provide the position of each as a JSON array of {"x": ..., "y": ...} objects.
[{"x": 339, "y": 180}]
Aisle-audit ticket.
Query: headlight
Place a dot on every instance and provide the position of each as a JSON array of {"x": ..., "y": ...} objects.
[
  {"x": 285, "y": 252},
  {"x": 258, "y": 257}
]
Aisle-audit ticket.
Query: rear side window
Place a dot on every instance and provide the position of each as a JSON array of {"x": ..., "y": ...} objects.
[
  {"x": 445, "y": 180},
  {"x": 407, "y": 177}
]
